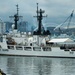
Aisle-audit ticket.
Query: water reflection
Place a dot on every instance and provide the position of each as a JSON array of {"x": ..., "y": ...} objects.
[{"x": 13, "y": 65}]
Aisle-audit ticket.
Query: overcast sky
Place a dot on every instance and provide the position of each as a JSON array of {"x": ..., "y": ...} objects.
[{"x": 57, "y": 10}]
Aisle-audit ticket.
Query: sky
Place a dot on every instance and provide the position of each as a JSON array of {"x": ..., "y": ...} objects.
[{"x": 57, "y": 10}]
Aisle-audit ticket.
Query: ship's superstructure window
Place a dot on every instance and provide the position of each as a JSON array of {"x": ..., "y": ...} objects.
[
  {"x": 66, "y": 50},
  {"x": 27, "y": 48},
  {"x": 19, "y": 48},
  {"x": 30, "y": 44},
  {"x": 11, "y": 47},
  {"x": 46, "y": 49},
  {"x": 37, "y": 48}
]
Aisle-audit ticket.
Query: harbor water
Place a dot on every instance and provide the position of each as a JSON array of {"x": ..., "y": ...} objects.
[{"x": 18, "y": 65}]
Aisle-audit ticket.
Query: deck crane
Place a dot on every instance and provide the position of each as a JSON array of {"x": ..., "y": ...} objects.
[{"x": 68, "y": 19}]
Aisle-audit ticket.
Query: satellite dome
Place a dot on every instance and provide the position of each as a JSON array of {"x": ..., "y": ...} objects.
[{"x": 13, "y": 26}]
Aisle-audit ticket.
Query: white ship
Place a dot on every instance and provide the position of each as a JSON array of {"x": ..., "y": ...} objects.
[{"x": 39, "y": 44}]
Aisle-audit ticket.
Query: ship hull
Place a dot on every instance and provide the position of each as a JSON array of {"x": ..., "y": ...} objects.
[{"x": 54, "y": 52}]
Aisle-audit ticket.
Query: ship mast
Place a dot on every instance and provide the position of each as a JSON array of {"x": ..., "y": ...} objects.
[
  {"x": 16, "y": 17},
  {"x": 39, "y": 19},
  {"x": 37, "y": 11},
  {"x": 17, "y": 9}
]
